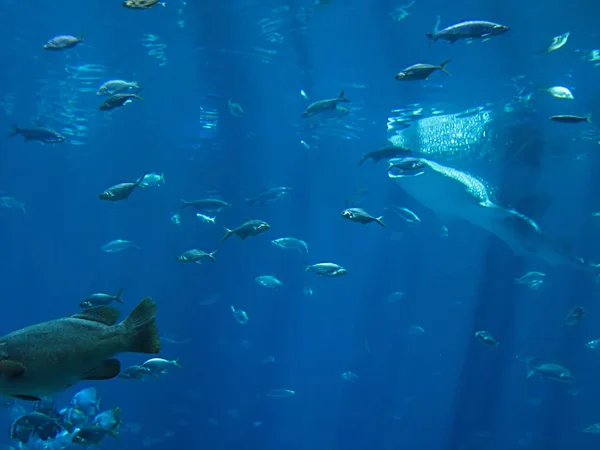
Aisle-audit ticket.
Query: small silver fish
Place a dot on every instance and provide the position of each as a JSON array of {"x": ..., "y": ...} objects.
[
  {"x": 118, "y": 245},
  {"x": 574, "y": 317},
  {"x": 327, "y": 269},
  {"x": 121, "y": 191},
  {"x": 196, "y": 256},
  {"x": 324, "y": 105},
  {"x": 290, "y": 243},
  {"x": 63, "y": 42},
  {"x": 113, "y": 87},
  {"x": 247, "y": 229},
  {"x": 359, "y": 215},
  {"x": 418, "y": 72},
  {"x": 100, "y": 298}
]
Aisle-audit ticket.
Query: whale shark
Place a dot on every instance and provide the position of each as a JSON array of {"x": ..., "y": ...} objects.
[{"x": 453, "y": 194}]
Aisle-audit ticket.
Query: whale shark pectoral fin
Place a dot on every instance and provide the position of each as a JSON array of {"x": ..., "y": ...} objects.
[{"x": 534, "y": 206}]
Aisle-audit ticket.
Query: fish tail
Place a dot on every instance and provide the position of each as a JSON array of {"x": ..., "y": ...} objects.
[
  {"x": 118, "y": 296},
  {"x": 138, "y": 183},
  {"x": 14, "y": 130},
  {"x": 82, "y": 36},
  {"x": 176, "y": 363},
  {"x": 228, "y": 233},
  {"x": 341, "y": 97},
  {"x": 529, "y": 369},
  {"x": 362, "y": 160},
  {"x": 212, "y": 256},
  {"x": 118, "y": 415},
  {"x": 140, "y": 328},
  {"x": 430, "y": 36},
  {"x": 443, "y": 67},
  {"x": 162, "y": 178},
  {"x": 588, "y": 118},
  {"x": 379, "y": 220},
  {"x": 250, "y": 201},
  {"x": 183, "y": 203}
]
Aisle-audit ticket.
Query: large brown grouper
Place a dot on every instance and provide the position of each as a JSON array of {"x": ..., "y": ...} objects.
[{"x": 43, "y": 359}]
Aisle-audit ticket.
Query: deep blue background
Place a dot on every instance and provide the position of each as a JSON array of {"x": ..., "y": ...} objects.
[{"x": 441, "y": 389}]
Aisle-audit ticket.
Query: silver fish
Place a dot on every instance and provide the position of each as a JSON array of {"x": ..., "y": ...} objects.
[{"x": 468, "y": 29}]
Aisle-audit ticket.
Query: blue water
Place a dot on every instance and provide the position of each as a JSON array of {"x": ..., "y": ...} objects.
[{"x": 437, "y": 390}]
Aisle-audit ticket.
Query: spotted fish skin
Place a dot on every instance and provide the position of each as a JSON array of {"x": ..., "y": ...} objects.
[
  {"x": 47, "y": 358},
  {"x": 451, "y": 194}
]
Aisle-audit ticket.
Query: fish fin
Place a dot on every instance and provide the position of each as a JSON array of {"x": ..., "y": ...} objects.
[
  {"x": 105, "y": 371},
  {"x": 140, "y": 325},
  {"x": 29, "y": 398},
  {"x": 228, "y": 233},
  {"x": 101, "y": 314},
  {"x": 138, "y": 183},
  {"x": 443, "y": 67},
  {"x": 27, "y": 139},
  {"x": 10, "y": 369},
  {"x": 534, "y": 206},
  {"x": 212, "y": 256},
  {"x": 529, "y": 369},
  {"x": 379, "y": 221},
  {"x": 118, "y": 296},
  {"x": 198, "y": 262},
  {"x": 14, "y": 130},
  {"x": 341, "y": 97}
]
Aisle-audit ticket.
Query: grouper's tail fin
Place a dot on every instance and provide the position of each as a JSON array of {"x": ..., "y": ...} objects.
[{"x": 140, "y": 327}]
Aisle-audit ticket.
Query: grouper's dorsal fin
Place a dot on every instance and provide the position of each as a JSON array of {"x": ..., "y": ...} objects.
[{"x": 102, "y": 314}]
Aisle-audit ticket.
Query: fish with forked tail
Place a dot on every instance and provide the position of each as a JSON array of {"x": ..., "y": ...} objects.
[
  {"x": 39, "y": 133},
  {"x": 247, "y": 229},
  {"x": 468, "y": 29},
  {"x": 119, "y": 100},
  {"x": 421, "y": 71},
  {"x": 121, "y": 191},
  {"x": 47, "y": 358},
  {"x": 324, "y": 105},
  {"x": 359, "y": 215}
]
